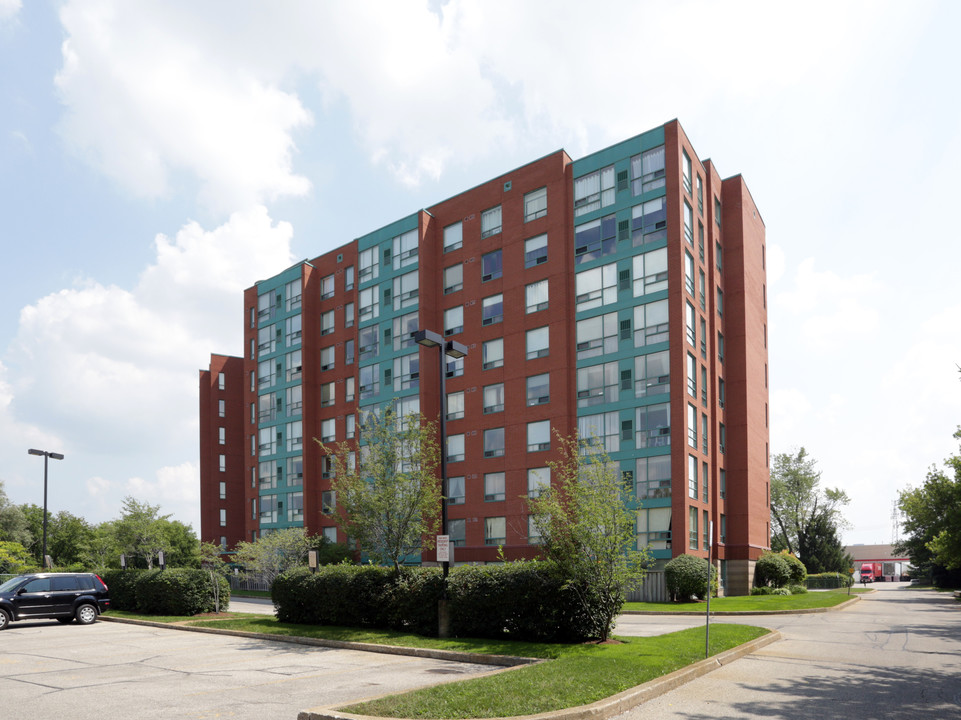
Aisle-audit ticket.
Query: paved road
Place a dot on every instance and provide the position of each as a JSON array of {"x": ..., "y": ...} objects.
[
  {"x": 114, "y": 671},
  {"x": 896, "y": 654},
  {"x": 261, "y": 606}
]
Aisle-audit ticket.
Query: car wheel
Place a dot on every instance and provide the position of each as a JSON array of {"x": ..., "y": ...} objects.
[
  {"x": 4, "y": 619},
  {"x": 86, "y": 614},
  {"x": 64, "y": 621}
]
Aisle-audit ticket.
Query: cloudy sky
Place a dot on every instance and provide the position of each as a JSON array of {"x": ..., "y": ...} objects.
[{"x": 157, "y": 158}]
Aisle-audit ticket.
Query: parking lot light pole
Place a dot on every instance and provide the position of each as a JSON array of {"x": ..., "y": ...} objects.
[
  {"x": 453, "y": 349},
  {"x": 55, "y": 456}
]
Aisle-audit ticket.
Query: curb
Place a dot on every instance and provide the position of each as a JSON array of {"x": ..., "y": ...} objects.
[
  {"x": 738, "y": 613},
  {"x": 608, "y": 707},
  {"x": 453, "y": 655}
]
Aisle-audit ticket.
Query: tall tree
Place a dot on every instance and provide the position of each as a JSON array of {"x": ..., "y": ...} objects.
[
  {"x": 13, "y": 525},
  {"x": 587, "y": 529},
  {"x": 68, "y": 534},
  {"x": 797, "y": 501},
  {"x": 272, "y": 554},
  {"x": 140, "y": 531},
  {"x": 932, "y": 521},
  {"x": 100, "y": 551},
  {"x": 389, "y": 500},
  {"x": 820, "y": 547}
]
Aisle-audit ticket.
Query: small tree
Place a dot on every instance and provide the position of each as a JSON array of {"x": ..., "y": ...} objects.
[
  {"x": 772, "y": 570},
  {"x": 588, "y": 531},
  {"x": 14, "y": 558},
  {"x": 686, "y": 577},
  {"x": 389, "y": 500},
  {"x": 140, "y": 530},
  {"x": 273, "y": 553}
]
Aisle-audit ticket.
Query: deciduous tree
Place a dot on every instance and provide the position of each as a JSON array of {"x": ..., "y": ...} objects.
[{"x": 273, "y": 553}]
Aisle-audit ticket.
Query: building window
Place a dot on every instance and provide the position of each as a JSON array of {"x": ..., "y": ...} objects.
[
  {"x": 295, "y": 507},
  {"x": 692, "y": 426},
  {"x": 221, "y": 381},
  {"x": 493, "y": 353},
  {"x": 223, "y": 490},
  {"x": 454, "y": 320},
  {"x": 704, "y": 434},
  {"x": 692, "y": 477},
  {"x": 455, "y": 490},
  {"x": 453, "y": 236},
  {"x": 701, "y": 285},
  {"x": 653, "y": 423},
  {"x": 349, "y": 352},
  {"x": 594, "y": 191},
  {"x": 720, "y": 348},
  {"x": 405, "y": 249},
  {"x": 295, "y": 470},
  {"x": 538, "y": 343},
  {"x": 654, "y": 528},
  {"x": 704, "y": 477},
  {"x": 652, "y": 374},
  {"x": 691, "y": 376},
  {"x": 293, "y": 330},
  {"x": 538, "y": 436},
  {"x": 368, "y": 342},
  {"x": 722, "y": 438},
  {"x": 692, "y": 528},
  {"x": 327, "y": 467},
  {"x": 690, "y": 324},
  {"x": 688, "y": 224},
  {"x": 494, "y": 487},
  {"x": 536, "y": 295},
  {"x": 349, "y": 314},
  {"x": 533, "y": 534},
  {"x": 455, "y": 367},
  {"x": 717, "y": 215},
  {"x": 328, "y": 502},
  {"x": 538, "y": 389},
  {"x": 455, "y": 447},
  {"x": 326, "y": 287},
  {"x": 494, "y": 398},
  {"x": 723, "y": 529},
  {"x": 455, "y": 405},
  {"x": 222, "y": 436},
  {"x": 604, "y": 427},
  {"x": 223, "y": 517},
  {"x": 653, "y": 477},
  {"x": 295, "y": 435},
  {"x": 535, "y": 251},
  {"x": 535, "y": 204},
  {"x": 597, "y": 335},
  {"x": 597, "y": 384},
  {"x": 494, "y": 531},
  {"x": 223, "y": 463},
  {"x": 720, "y": 392},
  {"x": 222, "y": 408},
  {"x": 328, "y": 430},
  {"x": 720, "y": 302},
  {"x": 491, "y": 222},
  {"x": 538, "y": 480},
  {"x": 650, "y": 323},
  {"x": 492, "y": 309},
  {"x": 349, "y": 277},
  {"x": 406, "y": 288},
  {"x": 368, "y": 262},
  {"x": 689, "y": 273},
  {"x": 403, "y": 329},
  {"x": 649, "y": 222},
  {"x": 349, "y": 389},
  {"x": 328, "y": 394},
  {"x": 407, "y": 372},
  {"x": 494, "y": 442},
  {"x": 369, "y": 300},
  {"x": 596, "y": 287},
  {"x": 722, "y": 483},
  {"x": 268, "y": 474},
  {"x": 700, "y": 194},
  {"x": 351, "y": 425},
  {"x": 327, "y": 323},
  {"x": 650, "y": 272},
  {"x": 686, "y": 170},
  {"x": 453, "y": 278},
  {"x": 457, "y": 529},
  {"x": 326, "y": 359},
  {"x": 492, "y": 266},
  {"x": 595, "y": 239},
  {"x": 647, "y": 171}
]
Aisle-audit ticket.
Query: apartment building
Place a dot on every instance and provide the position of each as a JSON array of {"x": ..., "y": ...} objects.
[{"x": 621, "y": 295}]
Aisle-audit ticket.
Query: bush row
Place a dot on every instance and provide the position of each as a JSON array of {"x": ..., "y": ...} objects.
[
  {"x": 822, "y": 581},
  {"x": 519, "y": 600},
  {"x": 176, "y": 591}
]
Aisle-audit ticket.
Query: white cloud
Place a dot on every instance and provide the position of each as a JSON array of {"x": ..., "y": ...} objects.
[{"x": 9, "y": 9}]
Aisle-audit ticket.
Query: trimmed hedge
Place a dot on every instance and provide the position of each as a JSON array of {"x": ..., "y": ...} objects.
[
  {"x": 828, "y": 581},
  {"x": 686, "y": 576},
  {"x": 177, "y": 591},
  {"x": 517, "y": 600}
]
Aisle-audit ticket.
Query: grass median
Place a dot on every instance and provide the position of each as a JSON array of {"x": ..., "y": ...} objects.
[{"x": 753, "y": 603}]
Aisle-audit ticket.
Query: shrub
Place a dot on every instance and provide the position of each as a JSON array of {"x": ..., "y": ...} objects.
[
  {"x": 686, "y": 576},
  {"x": 780, "y": 591},
  {"x": 177, "y": 591},
  {"x": 762, "y": 590},
  {"x": 826, "y": 581},
  {"x": 772, "y": 570},
  {"x": 799, "y": 573},
  {"x": 797, "y": 589}
]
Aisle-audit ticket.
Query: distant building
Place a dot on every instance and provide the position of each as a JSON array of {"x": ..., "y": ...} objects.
[
  {"x": 893, "y": 566},
  {"x": 621, "y": 295}
]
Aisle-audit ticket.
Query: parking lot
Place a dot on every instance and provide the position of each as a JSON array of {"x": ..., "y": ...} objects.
[{"x": 112, "y": 670}]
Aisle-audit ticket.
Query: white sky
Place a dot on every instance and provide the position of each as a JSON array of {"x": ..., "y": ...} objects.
[{"x": 157, "y": 158}]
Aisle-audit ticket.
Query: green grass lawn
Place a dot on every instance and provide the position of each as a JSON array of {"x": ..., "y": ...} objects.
[
  {"x": 754, "y": 603},
  {"x": 580, "y": 674}
]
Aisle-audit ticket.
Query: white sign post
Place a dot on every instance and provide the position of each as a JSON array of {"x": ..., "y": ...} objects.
[{"x": 443, "y": 548}]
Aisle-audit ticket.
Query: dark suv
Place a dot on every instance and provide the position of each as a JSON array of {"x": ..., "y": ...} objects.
[{"x": 63, "y": 596}]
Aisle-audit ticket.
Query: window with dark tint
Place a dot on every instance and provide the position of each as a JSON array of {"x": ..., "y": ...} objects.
[
  {"x": 37, "y": 585},
  {"x": 68, "y": 582}
]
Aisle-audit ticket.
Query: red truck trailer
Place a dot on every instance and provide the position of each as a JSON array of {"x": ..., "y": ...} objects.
[{"x": 870, "y": 572}]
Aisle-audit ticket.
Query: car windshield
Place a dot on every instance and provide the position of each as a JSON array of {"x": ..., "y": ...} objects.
[{"x": 12, "y": 583}]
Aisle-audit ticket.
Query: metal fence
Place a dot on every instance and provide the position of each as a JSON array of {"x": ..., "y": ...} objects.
[
  {"x": 240, "y": 583},
  {"x": 654, "y": 589}
]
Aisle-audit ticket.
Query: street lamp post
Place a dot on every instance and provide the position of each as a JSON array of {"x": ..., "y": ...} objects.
[
  {"x": 454, "y": 349},
  {"x": 55, "y": 456}
]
